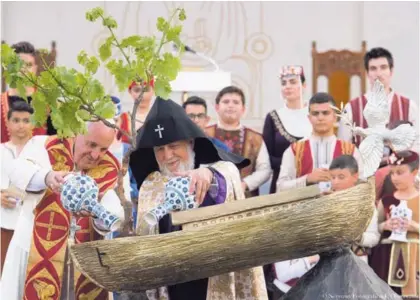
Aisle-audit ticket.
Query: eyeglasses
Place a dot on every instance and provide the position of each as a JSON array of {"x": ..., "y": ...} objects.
[{"x": 198, "y": 116}]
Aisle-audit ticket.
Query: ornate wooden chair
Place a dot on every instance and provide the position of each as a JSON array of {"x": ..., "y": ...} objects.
[
  {"x": 338, "y": 66},
  {"x": 50, "y": 59}
]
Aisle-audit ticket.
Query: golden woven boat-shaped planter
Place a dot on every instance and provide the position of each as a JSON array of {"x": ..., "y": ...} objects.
[{"x": 228, "y": 237}]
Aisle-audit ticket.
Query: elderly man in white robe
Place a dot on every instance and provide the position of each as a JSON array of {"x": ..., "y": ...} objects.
[{"x": 37, "y": 265}]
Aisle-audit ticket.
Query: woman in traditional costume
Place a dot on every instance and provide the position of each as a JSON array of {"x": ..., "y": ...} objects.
[
  {"x": 283, "y": 127},
  {"x": 288, "y": 124}
]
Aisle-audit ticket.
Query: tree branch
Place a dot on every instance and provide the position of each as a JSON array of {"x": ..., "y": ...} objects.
[
  {"x": 133, "y": 118},
  {"x": 117, "y": 44},
  {"x": 105, "y": 121},
  {"x": 162, "y": 41},
  {"x": 34, "y": 83}
]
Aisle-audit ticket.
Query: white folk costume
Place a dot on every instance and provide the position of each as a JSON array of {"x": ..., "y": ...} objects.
[
  {"x": 9, "y": 216},
  {"x": 166, "y": 123},
  {"x": 250, "y": 144},
  {"x": 302, "y": 157},
  {"x": 285, "y": 126},
  {"x": 338, "y": 272},
  {"x": 299, "y": 160},
  {"x": 37, "y": 265}
]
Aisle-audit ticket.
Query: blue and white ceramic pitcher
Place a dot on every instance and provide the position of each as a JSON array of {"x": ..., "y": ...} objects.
[
  {"x": 80, "y": 192},
  {"x": 177, "y": 197}
]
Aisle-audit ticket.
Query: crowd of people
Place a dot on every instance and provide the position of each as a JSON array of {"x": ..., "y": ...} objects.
[{"x": 303, "y": 143}]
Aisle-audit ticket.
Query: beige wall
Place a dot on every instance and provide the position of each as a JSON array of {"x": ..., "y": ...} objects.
[{"x": 250, "y": 39}]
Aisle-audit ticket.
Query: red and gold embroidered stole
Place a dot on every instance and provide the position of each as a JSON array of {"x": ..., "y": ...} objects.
[
  {"x": 399, "y": 111},
  {"x": 46, "y": 261},
  {"x": 4, "y": 106},
  {"x": 303, "y": 155}
]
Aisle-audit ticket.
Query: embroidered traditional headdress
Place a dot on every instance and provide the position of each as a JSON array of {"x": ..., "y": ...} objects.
[
  {"x": 397, "y": 158},
  {"x": 133, "y": 84},
  {"x": 291, "y": 70}
]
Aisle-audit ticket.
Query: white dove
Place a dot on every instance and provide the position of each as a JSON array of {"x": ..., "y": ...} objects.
[{"x": 375, "y": 137}]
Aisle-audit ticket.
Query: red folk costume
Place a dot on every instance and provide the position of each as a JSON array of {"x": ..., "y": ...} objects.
[
  {"x": 303, "y": 154},
  {"x": 47, "y": 256},
  {"x": 245, "y": 142}
]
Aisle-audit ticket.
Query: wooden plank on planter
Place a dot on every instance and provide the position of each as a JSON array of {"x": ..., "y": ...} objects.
[{"x": 225, "y": 209}]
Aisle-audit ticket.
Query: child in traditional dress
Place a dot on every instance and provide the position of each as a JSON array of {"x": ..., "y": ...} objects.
[
  {"x": 344, "y": 173},
  {"x": 397, "y": 262}
]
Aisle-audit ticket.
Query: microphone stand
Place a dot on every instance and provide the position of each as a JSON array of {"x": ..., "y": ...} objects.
[
  {"x": 209, "y": 59},
  {"x": 201, "y": 55}
]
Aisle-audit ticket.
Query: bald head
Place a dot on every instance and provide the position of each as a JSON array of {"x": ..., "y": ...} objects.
[
  {"x": 100, "y": 128},
  {"x": 91, "y": 147}
]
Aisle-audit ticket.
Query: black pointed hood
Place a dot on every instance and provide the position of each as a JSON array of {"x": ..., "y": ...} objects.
[{"x": 166, "y": 123}]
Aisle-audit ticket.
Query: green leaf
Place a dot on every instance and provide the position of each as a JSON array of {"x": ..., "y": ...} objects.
[
  {"x": 123, "y": 74},
  {"x": 65, "y": 133},
  {"x": 162, "y": 25},
  {"x": 82, "y": 58},
  {"x": 93, "y": 14},
  {"x": 66, "y": 119},
  {"x": 169, "y": 66},
  {"x": 105, "y": 51},
  {"x": 182, "y": 16},
  {"x": 21, "y": 90},
  {"x": 52, "y": 97},
  {"x": 105, "y": 108},
  {"x": 94, "y": 91},
  {"x": 83, "y": 115},
  {"x": 6, "y": 53},
  {"x": 39, "y": 105},
  {"x": 57, "y": 120},
  {"x": 173, "y": 33},
  {"x": 93, "y": 65},
  {"x": 81, "y": 79},
  {"x": 132, "y": 41},
  {"x": 110, "y": 22},
  {"x": 67, "y": 78},
  {"x": 162, "y": 88}
]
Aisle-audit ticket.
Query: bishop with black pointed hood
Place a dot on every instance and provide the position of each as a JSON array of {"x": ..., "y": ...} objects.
[{"x": 166, "y": 123}]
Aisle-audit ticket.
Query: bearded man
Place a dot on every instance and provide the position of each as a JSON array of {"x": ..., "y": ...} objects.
[{"x": 170, "y": 144}]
